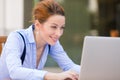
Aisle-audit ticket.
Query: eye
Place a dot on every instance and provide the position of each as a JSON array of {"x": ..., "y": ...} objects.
[
  {"x": 54, "y": 27},
  {"x": 63, "y": 27}
]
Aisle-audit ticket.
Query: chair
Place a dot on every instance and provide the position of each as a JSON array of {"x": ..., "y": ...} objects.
[{"x": 2, "y": 42}]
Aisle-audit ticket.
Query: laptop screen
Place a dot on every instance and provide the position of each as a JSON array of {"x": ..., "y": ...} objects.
[{"x": 100, "y": 58}]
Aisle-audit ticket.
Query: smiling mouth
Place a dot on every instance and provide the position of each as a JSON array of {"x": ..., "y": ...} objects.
[{"x": 54, "y": 39}]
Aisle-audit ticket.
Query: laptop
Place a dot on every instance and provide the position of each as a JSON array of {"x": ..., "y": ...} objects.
[{"x": 100, "y": 58}]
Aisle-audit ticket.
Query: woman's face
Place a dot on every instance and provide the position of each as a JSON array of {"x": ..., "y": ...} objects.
[{"x": 52, "y": 29}]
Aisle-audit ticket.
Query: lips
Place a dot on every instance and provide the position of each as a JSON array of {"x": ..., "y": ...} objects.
[{"x": 54, "y": 39}]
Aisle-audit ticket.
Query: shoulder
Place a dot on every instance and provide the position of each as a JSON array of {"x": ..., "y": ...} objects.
[
  {"x": 15, "y": 33},
  {"x": 15, "y": 36}
]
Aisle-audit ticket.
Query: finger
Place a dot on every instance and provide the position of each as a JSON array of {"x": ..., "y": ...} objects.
[
  {"x": 74, "y": 75},
  {"x": 68, "y": 79}
]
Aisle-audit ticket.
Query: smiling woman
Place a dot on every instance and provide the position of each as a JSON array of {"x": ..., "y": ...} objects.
[
  {"x": 51, "y": 30},
  {"x": 41, "y": 40}
]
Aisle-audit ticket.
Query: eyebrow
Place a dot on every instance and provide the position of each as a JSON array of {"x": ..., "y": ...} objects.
[{"x": 57, "y": 24}]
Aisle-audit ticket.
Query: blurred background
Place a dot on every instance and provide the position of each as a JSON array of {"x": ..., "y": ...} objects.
[{"x": 83, "y": 18}]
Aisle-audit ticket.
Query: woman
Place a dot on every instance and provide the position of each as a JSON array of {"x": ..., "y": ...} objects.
[{"x": 41, "y": 39}]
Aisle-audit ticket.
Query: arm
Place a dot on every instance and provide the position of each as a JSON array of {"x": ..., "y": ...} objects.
[
  {"x": 60, "y": 56},
  {"x": 13, "y": 50}
]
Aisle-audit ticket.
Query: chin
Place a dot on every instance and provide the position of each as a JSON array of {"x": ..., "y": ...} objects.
[{"x": 52, "y": 43}]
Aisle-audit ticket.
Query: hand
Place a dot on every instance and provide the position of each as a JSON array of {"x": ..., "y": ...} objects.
[{"x": 67, "y": 75}]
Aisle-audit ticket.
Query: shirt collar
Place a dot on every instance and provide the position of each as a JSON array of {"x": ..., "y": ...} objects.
[{"x": 30, "y": 34}]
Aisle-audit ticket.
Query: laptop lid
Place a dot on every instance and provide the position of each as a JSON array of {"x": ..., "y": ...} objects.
[{"x": 100, "y": 58}]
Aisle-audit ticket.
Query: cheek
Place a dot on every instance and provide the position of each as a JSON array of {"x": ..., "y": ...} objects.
[
  {"x": 61, "y": 33},
  {"x": 47, "y": 32}
]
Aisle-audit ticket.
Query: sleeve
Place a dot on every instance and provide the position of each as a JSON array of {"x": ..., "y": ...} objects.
[
  {"x": 13, "y": 49},
  {"x": 59, "y": 55}
]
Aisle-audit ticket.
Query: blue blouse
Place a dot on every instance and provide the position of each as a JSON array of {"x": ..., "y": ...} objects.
[{"x": 10, "y": 62}]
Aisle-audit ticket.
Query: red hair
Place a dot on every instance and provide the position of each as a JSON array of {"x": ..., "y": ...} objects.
[{"x": 46, "y": 8}]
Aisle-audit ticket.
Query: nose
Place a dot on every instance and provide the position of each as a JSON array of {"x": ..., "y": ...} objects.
[{"x": 59, "y": 32}]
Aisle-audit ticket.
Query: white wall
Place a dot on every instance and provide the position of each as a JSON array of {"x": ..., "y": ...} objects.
[
  {"x": 11, "y": 16},
  {"x": 2, "y": 16}
]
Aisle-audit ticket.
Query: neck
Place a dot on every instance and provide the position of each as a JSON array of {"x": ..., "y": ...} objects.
[{"x": 39, "y": 42}]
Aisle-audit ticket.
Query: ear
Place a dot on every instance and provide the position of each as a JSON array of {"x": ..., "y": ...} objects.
[{"x": 37, "y": 24}]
